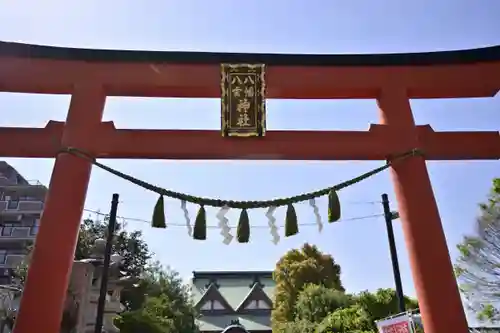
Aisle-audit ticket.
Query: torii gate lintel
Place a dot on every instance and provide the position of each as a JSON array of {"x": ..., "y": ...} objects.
[{"x": 376, "y": 143}]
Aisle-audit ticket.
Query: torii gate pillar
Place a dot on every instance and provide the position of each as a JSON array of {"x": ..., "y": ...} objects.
[
  {"x": 60, "y": 221},
  {"x": 432, "y": 270}
]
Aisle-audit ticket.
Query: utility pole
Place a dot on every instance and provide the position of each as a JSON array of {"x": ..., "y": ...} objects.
[
  {"x": 389, "y": 216},
  {"x": 107, "y": 260}
]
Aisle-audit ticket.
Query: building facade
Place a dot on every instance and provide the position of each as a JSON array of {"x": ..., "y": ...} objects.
[
  {"x": 21, "y": 205},
  {"x": 229, "y": 301}
]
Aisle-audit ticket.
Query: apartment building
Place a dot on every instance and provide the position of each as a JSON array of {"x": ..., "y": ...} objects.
[{"x": 21, "y": 205}]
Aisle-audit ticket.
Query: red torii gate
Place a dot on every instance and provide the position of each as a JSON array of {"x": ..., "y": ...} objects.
[{"x": 91, "y": 75}]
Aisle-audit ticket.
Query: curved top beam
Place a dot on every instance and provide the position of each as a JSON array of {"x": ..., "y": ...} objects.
[
  {"x": 55, "y": 70},
  {"x": 20, "y": 50}
]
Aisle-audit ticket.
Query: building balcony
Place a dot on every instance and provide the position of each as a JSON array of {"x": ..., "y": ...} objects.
[
  {"x": 20, "y": 207},
  {"x": 17, "y": 233},
  {"x": 11, "y": 260}
]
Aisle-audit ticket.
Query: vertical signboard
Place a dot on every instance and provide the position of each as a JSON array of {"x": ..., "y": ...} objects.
[{"x": 243, "y": 104}]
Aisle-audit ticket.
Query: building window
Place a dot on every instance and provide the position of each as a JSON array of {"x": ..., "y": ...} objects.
[
  {"x": 7, "y": 230},
  {"x": 34, "y": 228},
  {"x": 12, "y": 203},
  {"x": 3, "y": 257},
  {"x": 27, "y": 198},
  {"x": 4, "y": 280},
  {"x": 258, "y": 305},
  {"x": 212, "y": 305}
]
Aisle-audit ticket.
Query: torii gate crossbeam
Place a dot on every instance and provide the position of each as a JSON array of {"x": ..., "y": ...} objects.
[{"x": 92, "y": 75}]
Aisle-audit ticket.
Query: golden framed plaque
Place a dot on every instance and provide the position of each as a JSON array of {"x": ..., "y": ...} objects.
[{"x": 243, "y": 103}]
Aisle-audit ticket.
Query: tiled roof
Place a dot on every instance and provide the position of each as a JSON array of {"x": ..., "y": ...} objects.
[
  {"x": 232, "y": 274},
  {"x": 256, "y": 292},
  {"x": 212, "y": 293}
]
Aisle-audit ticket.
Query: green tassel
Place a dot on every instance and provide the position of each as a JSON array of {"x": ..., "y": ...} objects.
[
  {"x": 291, "y": 225},
  {"x": 200, "y": 225},
  {"x": 333, "y": 207},
  {"x": 243, "y": 230},
  {"x": 158, "y": 220}
]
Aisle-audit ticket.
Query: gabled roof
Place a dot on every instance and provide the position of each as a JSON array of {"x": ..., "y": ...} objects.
[
  {"x": 256, "y": 293},
  {"x": 212, "y": 294}
]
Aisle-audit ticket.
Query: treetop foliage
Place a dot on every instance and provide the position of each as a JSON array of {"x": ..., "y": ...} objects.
[
  {"x": 159, "y": 303},
  {"x": 309, "y": 297},
  {"x": 294, "y": 271},
  {"x": 478, "y": 266}
]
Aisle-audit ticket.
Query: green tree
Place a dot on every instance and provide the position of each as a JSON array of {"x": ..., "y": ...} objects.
[
  {"x": 382, "y": 303},
  {"x": 160, "y": 304},
  {"x": 143, "y": 320},
  {"x": 351, "y": 319},
  {"x": 309, "y": 297},
  {"x": 294, "y": 271},
  {"x": 129, "y": 245},
  {"x": 156, "y": 281},
  {"x": 316, "y": 302},
  {"x": 297, "y": 326},
  {"x": 367, "y": 308},
  {"x": 478, "y": 266}
]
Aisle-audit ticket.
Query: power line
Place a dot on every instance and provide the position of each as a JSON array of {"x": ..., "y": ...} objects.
[{"x": 173, "y": 224}]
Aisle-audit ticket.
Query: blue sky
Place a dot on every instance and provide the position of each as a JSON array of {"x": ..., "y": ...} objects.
[{"x": 266, "y": 26}]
